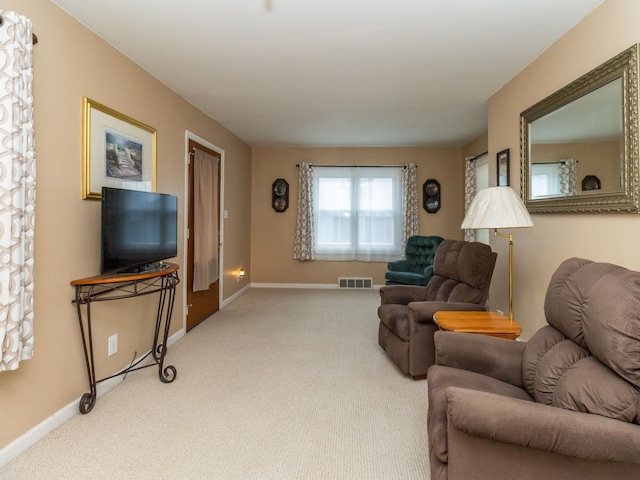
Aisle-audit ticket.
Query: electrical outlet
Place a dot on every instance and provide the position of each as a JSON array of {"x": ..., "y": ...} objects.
[{"x": 113, "y": 345}]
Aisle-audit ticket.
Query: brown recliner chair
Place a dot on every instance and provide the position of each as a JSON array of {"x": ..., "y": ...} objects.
[
  {"x": 462, "y": 275},
  {"x": 564, "y": 405}
]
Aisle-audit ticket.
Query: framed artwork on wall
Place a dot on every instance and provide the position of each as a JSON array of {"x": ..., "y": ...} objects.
[
  {"x": 503, "y": 168},
  {"x": 117, "y": 151}
]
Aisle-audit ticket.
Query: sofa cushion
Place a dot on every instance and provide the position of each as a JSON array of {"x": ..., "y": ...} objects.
[
  {"x": 590, "y": 387},
  {"x": 561, "y": 373},
  {"x": 538, "y": 345},
  {"x": 460, "y": 272},
  {"x": 597, "y": 305},
  {"x": 612, "y": 322},
  {"x": 564, "y": 301},
  {"x": 420, "y": 251},
  {"x": 409, "y": 278},
  {"x": 553, "y": 366}
]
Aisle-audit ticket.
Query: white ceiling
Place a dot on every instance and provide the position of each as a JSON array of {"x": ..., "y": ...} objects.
[{"x": 335, "y": 72}]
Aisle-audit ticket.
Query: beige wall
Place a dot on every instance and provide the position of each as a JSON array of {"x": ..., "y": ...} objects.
[
  {"x": 609, "y": 30},
  {"x": 71, "y": 62},
  {"x": 273, "y": 233},
  {"x": 477, "y": 146}
]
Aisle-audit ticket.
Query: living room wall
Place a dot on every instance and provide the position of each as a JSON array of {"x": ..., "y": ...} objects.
[
  {"x": 273, "y": 233},
  {"x": 72, "y": 62},
  {"x": 610, "y": 29}
]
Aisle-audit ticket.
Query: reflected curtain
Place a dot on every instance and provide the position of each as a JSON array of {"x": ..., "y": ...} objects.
[
  {"x": 303, "y": 243},
  {"x": 409, "y": 202},
  {"x": 17, "y": 190},
  {"x": 205, "y": 222},
  {"x": 469, "y": 193},
  {"x": 568, "y": 177}
]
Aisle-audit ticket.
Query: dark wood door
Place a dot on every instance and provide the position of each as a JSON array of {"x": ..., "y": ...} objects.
[{"x": 201, "y": 304}]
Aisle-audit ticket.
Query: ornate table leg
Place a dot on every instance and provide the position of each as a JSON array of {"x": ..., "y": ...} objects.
[
  {"x": 88, "y": 400},
  {"x": 165, "y": 308}
]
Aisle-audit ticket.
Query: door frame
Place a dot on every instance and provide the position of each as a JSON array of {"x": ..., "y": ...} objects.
[{"x": 192, "y": 136}]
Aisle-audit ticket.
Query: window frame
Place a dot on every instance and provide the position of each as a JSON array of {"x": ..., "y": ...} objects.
[{"x": 355, "y": 249}]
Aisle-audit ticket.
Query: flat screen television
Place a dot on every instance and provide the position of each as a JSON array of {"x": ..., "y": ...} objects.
[{"x": 138, "y": 229}]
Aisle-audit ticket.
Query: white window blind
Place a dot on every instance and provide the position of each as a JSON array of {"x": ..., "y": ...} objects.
[
  {"x": 545, "y": 179},
  {"x": 357, "y": 213}
]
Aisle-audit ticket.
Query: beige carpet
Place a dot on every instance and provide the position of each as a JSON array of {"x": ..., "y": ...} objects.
[{"x": 281, "y": 384}]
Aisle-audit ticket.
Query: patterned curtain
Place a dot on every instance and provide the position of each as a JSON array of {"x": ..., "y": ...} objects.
[
  {"x": 303, "y": 244},
  {"x": 17, "y": 190},
  {"x": 410, "y": 202},
  {"x": 569, "y": 177},
  {"x": 469, "y": 193}
]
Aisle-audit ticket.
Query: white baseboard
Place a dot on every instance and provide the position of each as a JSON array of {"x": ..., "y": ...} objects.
[
  {"x": 66, "y": 413},
  {"x": 234, "y": 296}
]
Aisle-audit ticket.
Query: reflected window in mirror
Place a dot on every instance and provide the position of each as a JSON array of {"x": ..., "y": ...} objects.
[{"x": 554, "y": 179}]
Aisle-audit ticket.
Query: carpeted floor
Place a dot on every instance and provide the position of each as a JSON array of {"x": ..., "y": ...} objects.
[{"x": 281, "y": 384}]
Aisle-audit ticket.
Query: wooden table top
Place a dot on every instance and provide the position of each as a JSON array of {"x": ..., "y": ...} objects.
[
  {"x": 125, "y": 277},
  {"x": 485, "y": 323}
]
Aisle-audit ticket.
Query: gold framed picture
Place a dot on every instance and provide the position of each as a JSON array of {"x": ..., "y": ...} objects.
[{"x": 117, "y": 151}]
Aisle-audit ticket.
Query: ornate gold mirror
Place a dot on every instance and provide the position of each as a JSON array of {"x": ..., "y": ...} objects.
[{"x": 579, "y": 146}]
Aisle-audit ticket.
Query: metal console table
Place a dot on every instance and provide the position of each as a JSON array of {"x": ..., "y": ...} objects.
[{"x": 119, "y": 286}]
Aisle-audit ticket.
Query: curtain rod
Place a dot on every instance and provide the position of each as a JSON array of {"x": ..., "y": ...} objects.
[
  {"x": 34, "y": 37},
  {"x": 354, "y": 166},
  {"x": 551, "y": 163},
  {"x": 473, "y": 159}
]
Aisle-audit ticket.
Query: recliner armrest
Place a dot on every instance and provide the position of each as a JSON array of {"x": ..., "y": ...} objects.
[
  {"x": 543, "y": 427},
  {"x": 401, "y": 265},
  {"x": 422, "y": 311},
  {"x": 428, "y": 271},
  {"x": 495, "y": 357},
  {"x": 402, "y": 294}
]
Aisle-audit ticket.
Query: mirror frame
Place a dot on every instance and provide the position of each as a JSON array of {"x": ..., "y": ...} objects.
[{"x": 624, "y": 66}]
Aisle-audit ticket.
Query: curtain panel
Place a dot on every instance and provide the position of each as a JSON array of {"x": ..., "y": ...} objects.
[
  {"x": 409, "y": 202},
  {"x": 205, "y": 222},
  {"x": 303, "y": 244},
  {"x": 568, "y": 170},
  {"x": 17, "y": 190},
  {"x": 469, "y": 193}
]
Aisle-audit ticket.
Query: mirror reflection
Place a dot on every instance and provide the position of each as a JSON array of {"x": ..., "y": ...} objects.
[
  {"x": 579, "y": 139},
  {"x": 579, "y": 145}
]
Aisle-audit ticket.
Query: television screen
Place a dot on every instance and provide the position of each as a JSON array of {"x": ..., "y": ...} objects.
[{"x": 138, "y": 230}]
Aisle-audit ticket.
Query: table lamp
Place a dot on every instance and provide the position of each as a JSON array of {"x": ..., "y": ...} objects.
[{"x": 498, "y": 207}]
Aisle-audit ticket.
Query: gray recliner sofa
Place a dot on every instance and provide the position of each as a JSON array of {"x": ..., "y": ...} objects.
[{"x": 564, "y": 405}]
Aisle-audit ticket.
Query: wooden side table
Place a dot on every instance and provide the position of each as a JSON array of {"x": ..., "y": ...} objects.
[{"x": 484, "y": 323}]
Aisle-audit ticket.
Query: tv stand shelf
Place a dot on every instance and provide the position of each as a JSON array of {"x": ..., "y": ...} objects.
[{"x": 102, "y": 288}]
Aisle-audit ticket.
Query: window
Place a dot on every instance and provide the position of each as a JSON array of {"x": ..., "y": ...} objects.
[
  {"x": 357, "y": 213},
  {"x": 545, "y": 179}
]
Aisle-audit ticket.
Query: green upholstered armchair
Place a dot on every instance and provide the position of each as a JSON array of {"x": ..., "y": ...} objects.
[{"x": 416, "y": 268}]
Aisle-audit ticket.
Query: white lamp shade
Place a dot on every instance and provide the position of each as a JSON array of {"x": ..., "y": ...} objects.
[{"x": 496, "y": 207}]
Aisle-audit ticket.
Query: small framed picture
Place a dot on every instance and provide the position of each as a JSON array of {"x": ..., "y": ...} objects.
[{"x": 503, "y": 168}]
